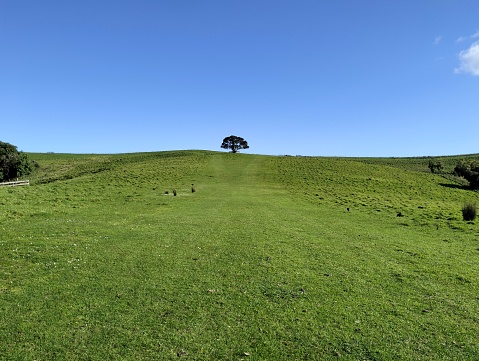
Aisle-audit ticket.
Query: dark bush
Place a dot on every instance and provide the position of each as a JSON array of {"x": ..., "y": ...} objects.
[
  {"x": 435, "y": 166},
  {"x": 470, "y": 171},
  {"x": 13, "y": 164},
  {"x": 461, "y": 168},
  {"x": 469, "y": 211}
]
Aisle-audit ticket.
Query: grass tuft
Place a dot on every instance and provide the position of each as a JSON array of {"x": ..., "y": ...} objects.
[{"x": 469, "y": 211}]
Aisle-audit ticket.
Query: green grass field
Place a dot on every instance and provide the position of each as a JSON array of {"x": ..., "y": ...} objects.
[{"x": 263, "y": 262}]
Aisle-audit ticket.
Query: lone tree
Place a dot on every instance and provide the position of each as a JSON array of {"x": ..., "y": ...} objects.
[
  {"x": 13, "y": 164},
  {"x": 234, "y": 143}
]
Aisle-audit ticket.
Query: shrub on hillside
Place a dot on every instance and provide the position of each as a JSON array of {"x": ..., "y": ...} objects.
[
  {"x": 469, "y": 211},
  {"x": 13, "y": 164},
  {"x": 435, "y": 166},
  {"x": 469, "y": 171}
]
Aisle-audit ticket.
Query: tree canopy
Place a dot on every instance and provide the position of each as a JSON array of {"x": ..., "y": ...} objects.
[
  {"x": 470, "y": 171},
  {"x": 13, "y": 164},
  {"x": 435, "y": 166},
  {"x": 234, "y": 143}
]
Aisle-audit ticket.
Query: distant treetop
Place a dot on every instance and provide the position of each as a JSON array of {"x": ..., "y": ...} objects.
[{"x": 234, "y": 143}]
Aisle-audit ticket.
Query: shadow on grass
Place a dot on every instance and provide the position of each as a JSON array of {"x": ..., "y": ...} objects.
[{"x": 456, "y": 186}]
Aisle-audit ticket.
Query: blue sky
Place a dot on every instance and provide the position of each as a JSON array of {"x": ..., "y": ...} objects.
[{"x": 304, "y": 77}]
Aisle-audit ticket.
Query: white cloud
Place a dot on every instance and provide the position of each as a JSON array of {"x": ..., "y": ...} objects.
[
  {"x": 437, "y": 40},
  {"x": 469, "y": 59},
  {"x": 464, "y": 38}
]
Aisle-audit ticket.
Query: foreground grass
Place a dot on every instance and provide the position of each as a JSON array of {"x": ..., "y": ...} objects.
[{"x": 263, "y": 262}]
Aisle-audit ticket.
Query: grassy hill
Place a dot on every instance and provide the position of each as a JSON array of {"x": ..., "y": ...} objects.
[{"x": 263, "y": 262}]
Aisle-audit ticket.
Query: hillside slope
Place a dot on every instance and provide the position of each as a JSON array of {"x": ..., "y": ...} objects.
[{"x": 263, "y": 261}]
